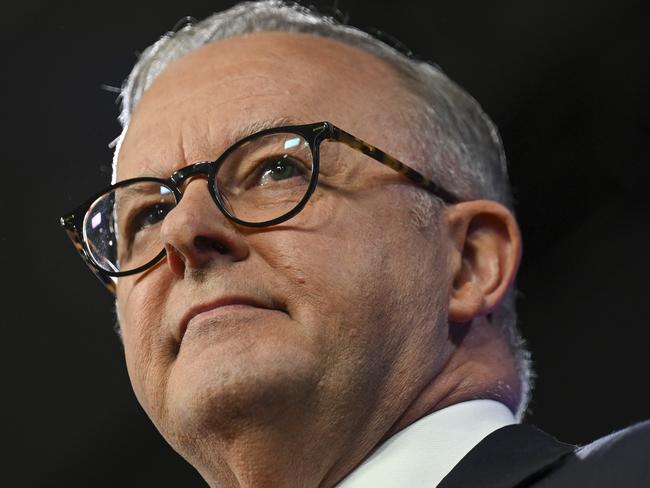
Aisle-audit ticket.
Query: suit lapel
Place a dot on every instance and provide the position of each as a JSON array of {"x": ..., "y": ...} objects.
[{"x": 511, "y": 456}]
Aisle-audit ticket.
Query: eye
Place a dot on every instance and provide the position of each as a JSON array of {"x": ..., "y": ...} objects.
[
  {"x": 279, "y": 169},
  {"x": 148, "y": 216}
]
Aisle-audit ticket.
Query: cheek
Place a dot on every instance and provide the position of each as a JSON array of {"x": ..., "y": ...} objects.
[
  {"x": 338, "y": 264},
  {"x": 365, "y": 286},
  {"x": 149, "y": 349},
  {"x": 320, "y": 266}
]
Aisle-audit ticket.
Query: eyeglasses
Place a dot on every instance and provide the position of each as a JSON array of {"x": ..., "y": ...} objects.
[{"x": 262, "y": 180}]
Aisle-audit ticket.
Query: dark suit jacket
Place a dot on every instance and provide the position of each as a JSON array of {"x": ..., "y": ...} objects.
[{"x": 524, "y": 456}]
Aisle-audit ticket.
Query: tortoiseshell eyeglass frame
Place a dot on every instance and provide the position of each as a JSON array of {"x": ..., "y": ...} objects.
[{"x": 314, "y": 134}]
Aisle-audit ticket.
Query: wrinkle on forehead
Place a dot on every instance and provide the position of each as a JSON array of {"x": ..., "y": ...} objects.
[
  {"x": 231, "y": 136},
  {"x": 201, "y": 128}
]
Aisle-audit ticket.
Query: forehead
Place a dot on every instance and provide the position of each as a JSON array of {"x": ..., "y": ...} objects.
[{"x": 201, "y": 102}]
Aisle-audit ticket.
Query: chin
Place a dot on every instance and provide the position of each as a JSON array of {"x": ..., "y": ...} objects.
[{"x": 223, "y": 386}]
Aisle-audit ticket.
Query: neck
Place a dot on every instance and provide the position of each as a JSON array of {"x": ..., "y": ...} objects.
[
  {"x": 262, "y": 458},
  {"x": 481, "y": 367},
  {"x": 305, "y": 449},
  {"x": 302, "y": 453}
]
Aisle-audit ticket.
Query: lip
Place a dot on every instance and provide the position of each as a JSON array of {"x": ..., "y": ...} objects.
[{"x": 214, "y": 305}]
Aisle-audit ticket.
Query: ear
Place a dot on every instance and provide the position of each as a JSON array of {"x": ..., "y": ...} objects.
[{"x": 484, "y": 257}]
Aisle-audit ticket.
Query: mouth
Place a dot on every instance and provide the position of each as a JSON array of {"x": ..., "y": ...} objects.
[{"x": 221, "y": 306}]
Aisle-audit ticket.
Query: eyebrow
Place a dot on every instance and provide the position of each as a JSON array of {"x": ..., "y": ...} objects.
[
  {"x": 233, "y": 137},
  {"x": 257, "y": 126}
]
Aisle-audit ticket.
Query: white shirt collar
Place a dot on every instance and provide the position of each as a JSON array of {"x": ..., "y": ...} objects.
[{"x": 423, "y": 453}]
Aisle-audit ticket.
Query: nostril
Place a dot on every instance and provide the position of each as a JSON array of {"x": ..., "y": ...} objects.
[
  {"x": 202, "y": 243},
  {"x": 220, "y": 248}
]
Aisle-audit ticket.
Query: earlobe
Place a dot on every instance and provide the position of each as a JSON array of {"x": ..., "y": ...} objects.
[{"x": 485, "y": 250}]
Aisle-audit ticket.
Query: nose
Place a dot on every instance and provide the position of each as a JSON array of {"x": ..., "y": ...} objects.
[{"x": 195, "y": 233}]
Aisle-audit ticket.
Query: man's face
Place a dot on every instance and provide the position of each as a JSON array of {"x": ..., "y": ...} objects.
[{"x": 341, "y": 314}]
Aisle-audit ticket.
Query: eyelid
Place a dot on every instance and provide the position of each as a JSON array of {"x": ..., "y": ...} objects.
[
  {"x": 135, "y": 212},
  {"x": 261, "y": 167}
]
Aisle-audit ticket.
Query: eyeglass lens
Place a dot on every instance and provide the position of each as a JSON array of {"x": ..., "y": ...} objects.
[{"x": 259, "y": 180}]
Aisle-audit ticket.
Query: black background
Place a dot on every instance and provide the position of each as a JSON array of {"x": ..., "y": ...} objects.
[{"x": 565, "y": 81}]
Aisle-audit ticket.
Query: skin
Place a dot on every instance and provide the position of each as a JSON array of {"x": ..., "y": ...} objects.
[{"x": 369, "y": 321}]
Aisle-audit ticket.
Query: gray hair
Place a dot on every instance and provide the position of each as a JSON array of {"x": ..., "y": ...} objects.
[{"x": 460, "y": 141}]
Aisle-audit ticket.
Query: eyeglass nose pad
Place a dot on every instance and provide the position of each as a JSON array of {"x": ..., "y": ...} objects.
[{"x": 183, "y": 175}]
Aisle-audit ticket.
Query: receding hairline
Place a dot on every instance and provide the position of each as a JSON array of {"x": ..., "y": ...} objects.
[
  {"x": 279, "y": 37},
  {"x": 369, "y": 61}
]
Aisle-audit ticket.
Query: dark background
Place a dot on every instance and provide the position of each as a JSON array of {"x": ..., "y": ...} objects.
[{"x": 566, "y": 82}]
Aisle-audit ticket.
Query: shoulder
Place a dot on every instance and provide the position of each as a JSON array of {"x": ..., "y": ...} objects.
[
  {"x": 625, "y": 442},
  {"x": 524, "y": 456},
  {"x": 619, "y": 459}
]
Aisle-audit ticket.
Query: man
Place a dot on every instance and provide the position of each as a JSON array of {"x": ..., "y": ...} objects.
[{"x": 322, "y": 312}]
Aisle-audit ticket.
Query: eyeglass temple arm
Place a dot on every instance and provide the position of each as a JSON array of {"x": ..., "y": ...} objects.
[
  {"x": 386, "y": 159},
  {"x": 70, "y": 227}
]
